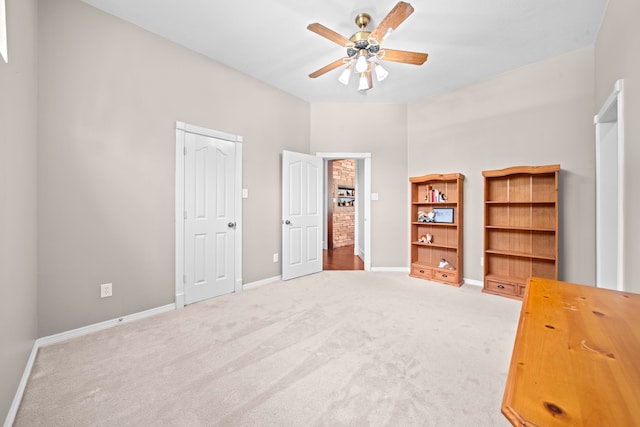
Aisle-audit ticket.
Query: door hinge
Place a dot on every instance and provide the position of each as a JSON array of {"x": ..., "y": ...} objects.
[
  {"x": 185, "y": 151},
  {"x": 185, "y": 214},
  {"x": 184, "y": 279}
]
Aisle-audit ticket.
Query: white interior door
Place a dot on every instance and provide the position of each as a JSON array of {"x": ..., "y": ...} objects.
[
  {"x": 209, "y": 217},
  {"x": 301, "y": 214}
]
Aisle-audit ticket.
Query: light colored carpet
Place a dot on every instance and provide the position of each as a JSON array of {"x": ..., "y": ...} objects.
[{"x": 332, "y": 349}]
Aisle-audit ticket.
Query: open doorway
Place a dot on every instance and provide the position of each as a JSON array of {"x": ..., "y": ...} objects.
[
  {"x": 358, "y": 202},
  {"x": 341, "y": 252},
  {"x": 610, "y": 234}
]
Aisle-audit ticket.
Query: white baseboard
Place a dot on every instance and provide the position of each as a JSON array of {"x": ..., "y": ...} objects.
[
  {"x": 180, "y": 300},
  {"x": 22, "y": 385},
  {"x": 63, "y": 336},
  {"x": 262, "y": 282},
  {"x": 473, "y": 282},
  {"x": 391, "y": 269}
]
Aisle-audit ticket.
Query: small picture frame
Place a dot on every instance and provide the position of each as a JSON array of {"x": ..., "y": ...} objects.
[{"x": 443, "y": 215}]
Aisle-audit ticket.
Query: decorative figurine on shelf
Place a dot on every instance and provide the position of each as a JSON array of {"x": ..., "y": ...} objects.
[
  {"x": 426, "y": 217},
  {"x": 445, "y": 264},
  {"x": 442, "y": 197},
  {"x": 426, "y": 238}
]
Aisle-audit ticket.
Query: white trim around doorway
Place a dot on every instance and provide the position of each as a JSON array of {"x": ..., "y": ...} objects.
[{"x": 611, "y": 113}]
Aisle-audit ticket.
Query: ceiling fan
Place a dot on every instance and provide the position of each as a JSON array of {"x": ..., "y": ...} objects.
[{"x": 363, "y": 48}]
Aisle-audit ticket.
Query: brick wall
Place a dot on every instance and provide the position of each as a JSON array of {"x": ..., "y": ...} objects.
[{"x": 344, "y": 175}]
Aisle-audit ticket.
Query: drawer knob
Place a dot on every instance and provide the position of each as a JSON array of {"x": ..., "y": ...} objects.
[
  {"x": 501, "y": 286},
  {"x": 421, "y": 271},
  {"x": 444, "y": 275}
]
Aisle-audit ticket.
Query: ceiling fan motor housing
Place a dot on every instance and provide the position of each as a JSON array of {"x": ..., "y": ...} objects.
[
  {"x": 361, "y": 39},
  {"x": 362, "y": 20}
]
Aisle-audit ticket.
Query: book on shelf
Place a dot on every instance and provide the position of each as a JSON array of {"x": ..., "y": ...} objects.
[{"x": 434, "y": 196}]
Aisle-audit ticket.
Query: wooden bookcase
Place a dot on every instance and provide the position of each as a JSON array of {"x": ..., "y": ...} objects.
[
  {"x": 446, "y": 234},
  {"x": 520, "y": 227}
]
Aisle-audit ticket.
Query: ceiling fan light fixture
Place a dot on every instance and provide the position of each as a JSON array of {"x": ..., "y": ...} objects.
[
  {"x": 344, "y": 77},
  {"x": 364, "y": 84},
  {"x": 381, "y": 72},
  {"x": 361, "y": 63}
]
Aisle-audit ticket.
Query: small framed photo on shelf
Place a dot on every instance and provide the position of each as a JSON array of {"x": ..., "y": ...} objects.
[{"x": 443, "y": 215}]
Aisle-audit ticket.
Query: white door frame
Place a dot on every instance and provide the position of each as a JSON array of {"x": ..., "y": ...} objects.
[
  {"x": 181, "y": 128},
  {"x": 366, "y": 196},
  {"x": 612, "y": 112}
]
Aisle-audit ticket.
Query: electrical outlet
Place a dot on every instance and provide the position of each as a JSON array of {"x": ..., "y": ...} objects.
[
  {"x": 275, "y": 257},
  {"x": 106, "y": 290}
]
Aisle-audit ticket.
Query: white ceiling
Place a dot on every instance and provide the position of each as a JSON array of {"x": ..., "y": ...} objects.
[{"x": 467, "y": 40}]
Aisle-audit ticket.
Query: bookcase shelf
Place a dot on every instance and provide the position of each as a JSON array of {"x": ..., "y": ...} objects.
[
  {"x": 439, "y": 204},
  {"x": 503, "y": 227},
  {"x": 435, "y": 245}
]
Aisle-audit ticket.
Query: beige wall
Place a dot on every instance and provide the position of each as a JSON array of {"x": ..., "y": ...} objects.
[
  {"x": 618, "y": 57},
  {"x": 18, "y": 138},
  {"x": 109, "y": 96},
  {"x": 536, "y": 115},
  {"x": 379, "y": 129}
]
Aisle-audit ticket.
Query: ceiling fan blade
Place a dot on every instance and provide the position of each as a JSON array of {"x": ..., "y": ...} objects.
[
  {"x": 328, "y": 34},
  {"x": 335, "y": 64},
  {"x": 398, "y": 14},
  {"x": 406, "y": 57}
]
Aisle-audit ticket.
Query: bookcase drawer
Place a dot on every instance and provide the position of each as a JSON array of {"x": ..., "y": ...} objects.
[
  {"x": 449, "y": 276},
  {"x": 502, "y": 287},
  {"x": 421, "y": 271}
]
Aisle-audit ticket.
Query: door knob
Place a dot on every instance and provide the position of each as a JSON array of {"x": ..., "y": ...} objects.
[
  {"x": 231, "y": 225},
  {"x": 287, "y": 222}
]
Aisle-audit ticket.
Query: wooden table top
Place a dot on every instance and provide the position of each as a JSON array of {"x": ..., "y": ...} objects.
[{"x": 576, "y": 358}]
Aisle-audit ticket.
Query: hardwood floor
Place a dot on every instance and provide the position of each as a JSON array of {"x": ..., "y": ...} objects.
[{"x": 341, "y": 259}]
